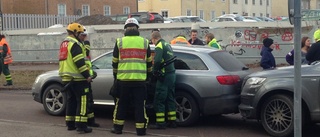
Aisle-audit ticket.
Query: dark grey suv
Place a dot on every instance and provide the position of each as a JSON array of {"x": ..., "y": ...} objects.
[
  {"x": 208, "y": 82},
  {"x": 268, "y": 97}
]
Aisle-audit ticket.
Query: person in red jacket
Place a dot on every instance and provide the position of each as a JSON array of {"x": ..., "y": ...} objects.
[{"x": 5, "y": 60}]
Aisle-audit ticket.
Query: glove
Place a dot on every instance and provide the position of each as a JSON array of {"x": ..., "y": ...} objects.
[
  {"x": 158, "y": 75},
  {"x": 94, "y": 75}
]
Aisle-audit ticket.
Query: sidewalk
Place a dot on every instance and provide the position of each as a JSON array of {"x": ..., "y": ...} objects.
[{"x": 28, "y": 129}]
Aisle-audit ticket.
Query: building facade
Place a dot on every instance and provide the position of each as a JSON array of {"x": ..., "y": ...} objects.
[
  {"x": 69, "y": 7},
  {"x": 279, "y": 10},
  {"x": 256, "y": 8},
  {"x": 205, "y": 9}
]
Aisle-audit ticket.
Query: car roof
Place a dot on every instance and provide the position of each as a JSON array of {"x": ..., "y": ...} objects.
[{"x": 191, "y": 48}]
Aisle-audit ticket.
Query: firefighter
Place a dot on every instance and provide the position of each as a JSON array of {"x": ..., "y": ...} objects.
[
  {"x": 5, "y": 60},
  {"x": 165, "y": 86},
  {"x": 132, "y": 64},
  {"x": 86, "y": 44},
  {"x": 74, "y": 72},
  {"x": 180, "y": 39}
]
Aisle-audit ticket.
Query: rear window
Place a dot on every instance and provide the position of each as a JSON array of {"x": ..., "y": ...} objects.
[{"x": 227, "y": 61}]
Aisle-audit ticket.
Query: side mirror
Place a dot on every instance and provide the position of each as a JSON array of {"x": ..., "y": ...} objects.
[{"x": 291, "y": 11}]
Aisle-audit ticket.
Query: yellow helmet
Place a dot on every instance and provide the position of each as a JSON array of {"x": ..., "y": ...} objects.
[
  {"x": 75, "y": 27},
  {"x": 316, "y": 35}
]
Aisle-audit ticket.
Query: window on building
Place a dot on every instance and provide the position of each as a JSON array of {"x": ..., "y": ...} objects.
[
  {"x": 267, "y": 15},
  {"x": 253, "y": 2},
  {"x": 260, "y": 2},
  {"x": 223, "y": 0},
  {"x": 201, "y": 14},
  {"x": 85, "y": 10},
  {"x": 126, "y": 10},
  {"x": 212, "y": 0},
  {"x": 189, "y": 12},
  {"x": 107, "y": 10},
  {"x": 223, "y": 12},
  {"x": 164, "y": 13},
  {"x": 213, "y": 14},
  {"x": 140, "y": 0},
  {"x": 253, "y": 14},
  {"x": 235, "y": 1},
  {"x": 62, "y": 10},
  {"x": 267, "y": 2},
  {"x": 261, "y": 14},
  {"x": 246, "y": 2}
]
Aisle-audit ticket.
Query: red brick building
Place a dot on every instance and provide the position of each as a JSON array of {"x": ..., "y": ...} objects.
[{"x": 69, "y": 7}]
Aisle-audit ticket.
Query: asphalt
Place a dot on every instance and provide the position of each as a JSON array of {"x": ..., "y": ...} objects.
[{"x": 10, "y": 128}]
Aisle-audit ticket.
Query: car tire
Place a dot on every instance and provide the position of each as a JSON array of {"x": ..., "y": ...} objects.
[
  {"x": 187, "y": 109},
  {"x": 277, "y": 115},
  {"x": 54, "y": 101}
]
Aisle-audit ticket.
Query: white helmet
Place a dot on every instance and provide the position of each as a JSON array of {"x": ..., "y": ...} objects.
[
  {"x": 85, "y": 32},
  {"x": 131, "y": 22}
]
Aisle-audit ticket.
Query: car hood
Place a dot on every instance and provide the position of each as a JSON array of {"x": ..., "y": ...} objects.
[{"x": 287, "y": 71}]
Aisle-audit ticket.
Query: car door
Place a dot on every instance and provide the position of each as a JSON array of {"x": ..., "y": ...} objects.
[{"x": 102, "y": 84}]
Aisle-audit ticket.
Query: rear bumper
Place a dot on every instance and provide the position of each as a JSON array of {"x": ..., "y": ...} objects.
[{"x": 223, "y": 105}]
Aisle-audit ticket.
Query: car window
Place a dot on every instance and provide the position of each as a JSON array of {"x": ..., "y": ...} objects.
[
  {"x": 104, "y": 62},
  {"x": 227, "y": 61},
  {"x": 156, "y": 15},
  {"x": 185, "y": 61}
]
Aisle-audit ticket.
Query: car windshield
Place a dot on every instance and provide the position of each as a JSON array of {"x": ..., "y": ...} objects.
[
  {"x": 239, "y": 18},
  {"x": 227, "y": 61}
]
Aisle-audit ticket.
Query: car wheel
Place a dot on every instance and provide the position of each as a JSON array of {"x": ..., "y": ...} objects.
[
  {"x": 187, "y": 109},
  {"x": 277, "y": 115},
  {"x": 54, "y": 101}
]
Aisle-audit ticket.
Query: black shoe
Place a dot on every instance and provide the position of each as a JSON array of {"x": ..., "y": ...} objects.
[
  {"x": 84, "y": 130},
  {"x": 93, "y": 125},
  {"x": 114, "y": 131},
  {"x": 72, "y": 128},
  {"x": 7, "y": 84},
  {"x": 172, "y": 124},
  {"x": 141, "y": 134},
  {"x": 158, "y": 126}
]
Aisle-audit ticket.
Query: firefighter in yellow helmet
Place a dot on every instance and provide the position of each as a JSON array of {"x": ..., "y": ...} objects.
[
  {"x": 131, "y": 67},
  {"x": 74, "y": 73},
  {"x": 5, "y": 60}
]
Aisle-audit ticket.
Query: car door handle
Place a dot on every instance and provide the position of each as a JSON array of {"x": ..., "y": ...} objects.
[{"x": 313, "y": 79}]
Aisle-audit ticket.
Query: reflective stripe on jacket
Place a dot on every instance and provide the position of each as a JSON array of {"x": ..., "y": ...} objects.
[
  {"x": 68, "y": 68},
  {"x": 213, "y": 43},
  {"x": 133, "y": 59},
  {"x": 8, "y": 58}
]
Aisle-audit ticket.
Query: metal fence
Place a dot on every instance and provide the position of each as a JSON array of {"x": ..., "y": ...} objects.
[{"x": 31, "y": 21}]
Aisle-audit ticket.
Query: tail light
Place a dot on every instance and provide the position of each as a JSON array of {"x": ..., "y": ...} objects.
[
  {"x": 151, "y": 17},
  {"x": 228, "y": 79}
]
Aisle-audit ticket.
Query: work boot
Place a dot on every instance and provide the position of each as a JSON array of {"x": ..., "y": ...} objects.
[
  {"x": 141, "y": 131},
  {"x": 82, "y": 128},
  {"x": 158, "y": 126},
  {"x": 92, "y": 123},
  {"x": 7, "y": 84},
  {"x": 172, "y": 124},
  {"x": 71, "y": 125},
  {"x": 117, "y": 129}
]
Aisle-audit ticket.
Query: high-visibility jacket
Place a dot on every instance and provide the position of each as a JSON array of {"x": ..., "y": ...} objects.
[
  {"x": 86, "y": 45},
  {"x": 213, "y": 43},
  {"x": 68, "y": 68},
  {"x": 132, "y": 62},
  {"x": 179, "y": 40},
  {"x": 8, "y": 58}
]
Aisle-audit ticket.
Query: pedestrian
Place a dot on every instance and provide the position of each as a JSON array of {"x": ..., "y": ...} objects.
[
  {"x": 86, "y": 44},
  {"x": 180, "y": 39},
  {"x": 5, "y": 60},
  {"x": 305, "y": 45},
  {"x": 158, "y": 30},
  {"x": 74, "y": 73},
  {"x": 212, "y": 41},
  {"x": 194, "y": 38},
  {"x": 267, "y": 59},
  {"x": 313, "y": 53},
  {"x": 132, "y": 64},
  {"x": 165, "y": 85}
]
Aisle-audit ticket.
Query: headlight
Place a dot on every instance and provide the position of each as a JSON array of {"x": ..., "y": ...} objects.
[{"x": 255, "y": 81}]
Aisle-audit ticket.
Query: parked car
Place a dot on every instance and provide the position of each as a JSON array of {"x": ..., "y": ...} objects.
[
  {"x": 208, "y": 82},
  {"x": 147, "y": 17},
  {"x": 178, "y": 19},
  {"x": 253, "y": 18},
  {"x": 232, "y": 17},
  {"x": 167, "y": 20},
  {"x": 187, "y": 19},
  {"x": 266, "y": 19},
  {"x": 120, "y": 18},
  {"x": 268, "y": 97}
]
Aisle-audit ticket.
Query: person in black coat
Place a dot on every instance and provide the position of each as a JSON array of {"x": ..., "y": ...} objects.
[
  {"x": 267, "y": 59},
  {"x": 194, "y": 38},
  {"x": 313, "y": 53}
]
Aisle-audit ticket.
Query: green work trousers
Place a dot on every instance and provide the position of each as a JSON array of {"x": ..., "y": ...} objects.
[{"x": 5, "y": 70}]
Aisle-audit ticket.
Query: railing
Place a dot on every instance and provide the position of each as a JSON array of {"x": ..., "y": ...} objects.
[{"x": 31, "y": 21}]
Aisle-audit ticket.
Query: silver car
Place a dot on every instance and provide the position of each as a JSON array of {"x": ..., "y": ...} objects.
[
  {"x": 208, "y": 82},
  {"x": 268, "y": 97}
]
